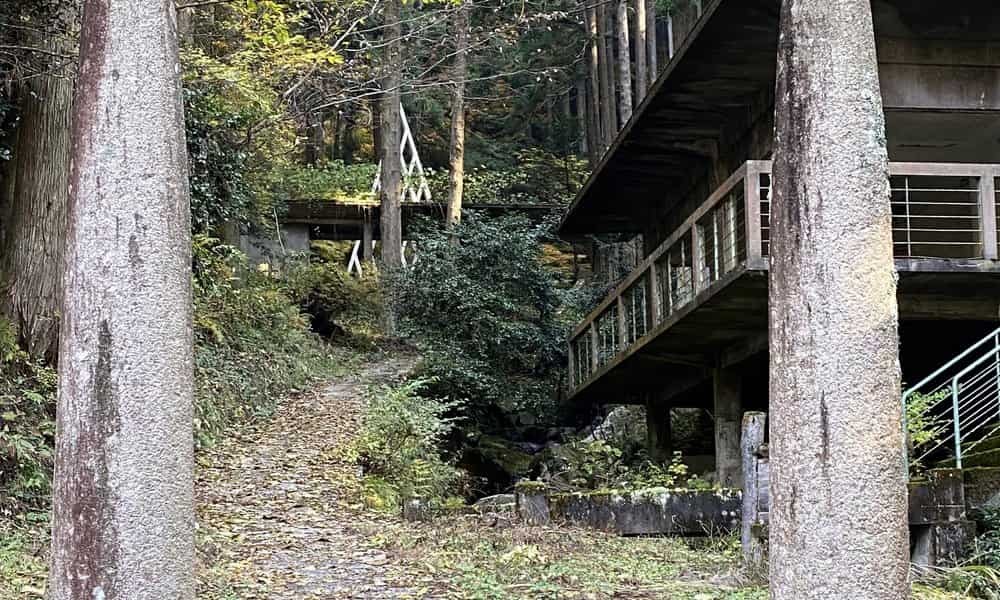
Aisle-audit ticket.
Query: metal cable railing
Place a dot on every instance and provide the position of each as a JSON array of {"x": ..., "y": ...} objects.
[{"x": 957, "y": 407}]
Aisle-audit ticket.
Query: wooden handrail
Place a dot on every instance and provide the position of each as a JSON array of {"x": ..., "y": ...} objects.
[{"x": 749, "y": 175}]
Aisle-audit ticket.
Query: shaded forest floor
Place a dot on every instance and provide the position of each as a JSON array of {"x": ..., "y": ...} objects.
[{"x": 280, "y": 516}]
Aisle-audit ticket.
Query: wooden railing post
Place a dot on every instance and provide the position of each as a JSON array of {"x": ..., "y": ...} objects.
[
  {"x": 655, "y": 307},
  {"x": 697, "y": 258},
  {"x": 751, "y": 213},
  {"x": 622, "y": 335},
  {"x": 595, "y": 348},
  {"x": 571, "y": 360},
  {"x": 987, "y": 213}
]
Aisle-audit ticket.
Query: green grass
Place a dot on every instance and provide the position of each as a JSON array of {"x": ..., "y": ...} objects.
[
  {"x": 461, "y": 557},
  {"x": 23, "y": 552}
]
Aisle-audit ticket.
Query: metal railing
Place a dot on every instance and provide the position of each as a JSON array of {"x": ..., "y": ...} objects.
[
  {"x": 939, "y": 211},
  {"x": 958, "y": 405}
]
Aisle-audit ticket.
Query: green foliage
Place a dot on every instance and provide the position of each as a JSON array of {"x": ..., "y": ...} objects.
[
  {"x": 27, "y": 427},
  {"x": 533, "y": 177},
  {"x": 331, "y": 181},
  {"x": 338, "y": 304},
  {"x": 923, "y": 426},
  {"x": 486, "y": 313},
  {"x": 986, "y": 546},
  {"x": 597, "y": 465},
  {"x": 253, "y": 346},
  {"x": 400, "y": 443}
]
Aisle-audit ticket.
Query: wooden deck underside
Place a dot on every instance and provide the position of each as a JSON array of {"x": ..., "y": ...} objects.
[{"x": 729, "y": 324}]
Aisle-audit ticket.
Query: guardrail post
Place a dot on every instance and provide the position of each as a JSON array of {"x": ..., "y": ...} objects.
[
  {"x": 697, "y": 258},
  {"x": 595, "y": 348},
  {"x": 622, "y": 335},
  {"x": 988, "y": 213},
  {"x": 571, "y": 360},
  {"x": 655, "y": 304},
  {"x": 958, "y": 426},
  {"x": 751, "y": 212}
]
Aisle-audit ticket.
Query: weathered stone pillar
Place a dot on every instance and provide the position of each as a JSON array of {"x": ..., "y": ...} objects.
[
  {"x": 727, "y": 388},
  {"x": 659, "y": 443},
  {"x": 754, "y": 431},
  {"x": 366, "y": 239}
]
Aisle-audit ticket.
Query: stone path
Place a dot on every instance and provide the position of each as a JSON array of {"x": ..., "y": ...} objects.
[{"x": 274, "y": 520}]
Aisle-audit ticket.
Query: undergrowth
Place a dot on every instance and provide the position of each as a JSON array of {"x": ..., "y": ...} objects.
[
  {"x": 399, "y": 446},
  {"x": 253, "y": 347}
]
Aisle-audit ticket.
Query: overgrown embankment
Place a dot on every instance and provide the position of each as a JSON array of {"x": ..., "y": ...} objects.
[{"x": 254, "y": 346}]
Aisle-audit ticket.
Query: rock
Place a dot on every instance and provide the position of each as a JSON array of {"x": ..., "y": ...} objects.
[
  {"x": 533, "y": 503},
  {"x": 624, "y": 426},
  {"x": 504, "y": 455},
  {"x": 416, "y": 510},
  {"x": 496, "y": 501}
]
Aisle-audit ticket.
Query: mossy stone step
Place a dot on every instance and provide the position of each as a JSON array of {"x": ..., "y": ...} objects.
[
  {"x": 982, "y": 486},
  {"x": 986, "y": 458},
  {"x": 990, "y": 443}
]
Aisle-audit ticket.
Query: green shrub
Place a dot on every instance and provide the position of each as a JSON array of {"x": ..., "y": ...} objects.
[
  {"x": 986, "y": 546},
  {"x": 400, "y": 444},
  {"x": 599, "y": 464},
  {"x": 487, "y": 315},
  {"x": 331, "y": 181},
  {"x": 253, "y": 345},
  {"x": 923, "y": 425},
  {"x": 337, "y": 302},
  {"x": 27, "y": 427}
]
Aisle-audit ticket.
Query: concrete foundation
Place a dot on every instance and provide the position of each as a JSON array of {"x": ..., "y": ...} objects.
[{"x": 652, "y": 511}]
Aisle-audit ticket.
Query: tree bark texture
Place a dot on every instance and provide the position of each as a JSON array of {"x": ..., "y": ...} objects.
[
  {"x": 456, "y": 154},
  {"x": 123, "y": 501},
  {"x": 605, "y": 51},
  {"x": 391, "y": 135},
  {"x": 624, "y": 65},
  {"x": 35, "y": 218},
  {"x": 595, "y": 124},
  {"x": 651, "y": 39},
  {"x": 838, "y": 522},
  {"x": 582, "y": 115},
  {"x": 641, "y": 72}
]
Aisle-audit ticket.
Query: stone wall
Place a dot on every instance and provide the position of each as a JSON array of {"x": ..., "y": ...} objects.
[{"x": 637, "y": 512}]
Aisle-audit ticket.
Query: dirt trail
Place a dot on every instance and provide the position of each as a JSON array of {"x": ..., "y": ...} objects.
[{"x": 274, "y": 520}]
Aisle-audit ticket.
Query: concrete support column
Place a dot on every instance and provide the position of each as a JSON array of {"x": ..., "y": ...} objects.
[
  {"x": 659, "y": 443},
  {"x": 366, "y": 239},
  {"x": 727, "y": 387}
]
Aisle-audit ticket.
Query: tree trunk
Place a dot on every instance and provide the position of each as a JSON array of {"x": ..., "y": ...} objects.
[
  {"x": 624, "y": 65},
  {"x": 594, "y": 123},
  {"x": 123, "y": 506},
  {"x": 582, "y": 116},
  {"x": 838, "y": 519},
  {"x": 641, "y": 72},
  {"x": 35, "y": 219},
  {"x": 609, "y": 118},
  {"x": 456, "y": 155},
  {"x": 390, "y": 132},
  {"x": 651, "y": 39},
  {"x": 315, "y": 138}
]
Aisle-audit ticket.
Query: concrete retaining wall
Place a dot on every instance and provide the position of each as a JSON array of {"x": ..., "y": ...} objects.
[{"x": 637, "y": 512}]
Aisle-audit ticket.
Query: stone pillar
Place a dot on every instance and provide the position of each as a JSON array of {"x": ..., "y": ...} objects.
[
  {"x": 754, "y": 430},
  {"x": 366, "y": 239},
  {"x": 659, "y": 444},
  {"x": 727, "y": 384},
  {"x": 532, "y": 503}
]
